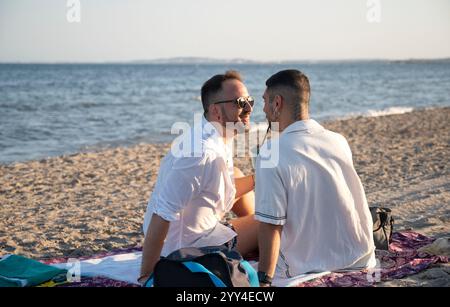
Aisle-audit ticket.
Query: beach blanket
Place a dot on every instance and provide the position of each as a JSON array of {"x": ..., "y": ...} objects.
[
  {"x": 120, "y": 268},
  {"x": 403, "y": 259},
  {"x": 18, "y": 271},
  {"x": 117, "y": 268}
]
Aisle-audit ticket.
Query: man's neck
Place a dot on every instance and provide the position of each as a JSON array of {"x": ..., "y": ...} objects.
[
  {"x": 221, "y": 131},
  {"x": 286, "y": 123}
]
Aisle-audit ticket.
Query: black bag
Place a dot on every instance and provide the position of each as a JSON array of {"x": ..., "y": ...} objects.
[
  {"x": 213, "y": 266},
  {"x": 383, "y": 226}
]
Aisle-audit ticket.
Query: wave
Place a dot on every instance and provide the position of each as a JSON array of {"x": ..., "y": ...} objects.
[
  {"x": 387, "y": 111},
  {"x": 374, "y": 113},
  {"x": 262, "y": 127}
]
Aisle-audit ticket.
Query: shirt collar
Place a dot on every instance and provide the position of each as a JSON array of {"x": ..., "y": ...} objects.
[
  {"x": 209, "y": 131},
  {"x": 308, "y": 126}
]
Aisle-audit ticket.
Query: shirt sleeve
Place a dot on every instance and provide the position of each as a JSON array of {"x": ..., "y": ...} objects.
[
  {"x": 182, "y": 183},
  {"x": 271, "y": 198},
  {"x": 215, "y": 180},
  {"x": 345, "y": 147}
]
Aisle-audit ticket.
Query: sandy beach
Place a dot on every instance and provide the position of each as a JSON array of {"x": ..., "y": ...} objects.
[{"x": 93, "y": 202}]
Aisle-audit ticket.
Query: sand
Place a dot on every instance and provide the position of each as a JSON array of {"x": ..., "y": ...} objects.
[{"x": 93, "y": 202}]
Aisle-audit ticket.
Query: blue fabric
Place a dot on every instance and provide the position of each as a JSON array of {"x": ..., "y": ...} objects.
[
  {"x": 198, "y": 268},
  {"x": 251, "y": 272},
  {"x": 149, "y": 282},
  {"x": 194, "y": 267}
]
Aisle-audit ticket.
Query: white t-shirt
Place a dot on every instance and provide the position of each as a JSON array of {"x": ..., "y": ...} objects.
[
  {"x": 194, "y": 192},
  {"x": 316, "y": 194}
]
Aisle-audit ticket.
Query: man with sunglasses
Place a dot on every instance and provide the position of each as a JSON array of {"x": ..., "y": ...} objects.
[
  {"x": 311, "y": 205},
  {"x": 194, "y": 191}
]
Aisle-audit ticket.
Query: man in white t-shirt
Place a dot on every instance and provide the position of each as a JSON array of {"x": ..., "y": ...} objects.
[
  {"x": 311, "y": 204},
  {"x": 197, "y": 187}
]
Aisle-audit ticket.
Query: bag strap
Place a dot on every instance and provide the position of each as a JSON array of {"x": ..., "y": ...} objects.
[
  {"x": 149, "y": 282},
  {"x": 392, "y": 228},
  {"x": 251, "y": 273},
  {"x": 382, "y": 217},
  {"x": 194, "y": 267}
]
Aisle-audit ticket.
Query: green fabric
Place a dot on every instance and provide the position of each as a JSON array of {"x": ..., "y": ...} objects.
[
  {"x": 6, "y": 283},
  {"x": 30, "y": 271}
]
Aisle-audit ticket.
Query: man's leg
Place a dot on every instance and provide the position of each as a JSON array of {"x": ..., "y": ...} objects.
[
  {"x": 245, "y": 224},
  {"x": 247, "y": 230},
  {"x": 244, "y": 205}
]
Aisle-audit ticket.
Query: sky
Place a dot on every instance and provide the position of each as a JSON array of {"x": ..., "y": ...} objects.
[{"x": 264, "y": 30}]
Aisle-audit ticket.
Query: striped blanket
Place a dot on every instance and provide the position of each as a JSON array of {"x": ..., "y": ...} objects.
[{"x": 402, "y": 259}]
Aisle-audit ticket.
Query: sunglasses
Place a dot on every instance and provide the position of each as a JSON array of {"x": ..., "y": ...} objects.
[{"x": 241, "y": 102}]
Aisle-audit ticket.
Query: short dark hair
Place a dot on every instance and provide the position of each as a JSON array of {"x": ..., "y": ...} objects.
[
  {"x": 295, "y": 88},
  {"x": 214, "y": 84}
]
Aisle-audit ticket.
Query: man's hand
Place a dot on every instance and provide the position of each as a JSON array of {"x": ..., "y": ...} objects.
[{"x": 141, "y": 280}]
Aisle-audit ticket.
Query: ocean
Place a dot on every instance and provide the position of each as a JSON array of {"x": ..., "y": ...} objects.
[{"x": 54, "y": 109}]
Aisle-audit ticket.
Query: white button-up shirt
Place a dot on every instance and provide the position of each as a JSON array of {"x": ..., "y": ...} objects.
[
  {"x": 316, "y": 194},
  {"x": 194, "y": 191}
]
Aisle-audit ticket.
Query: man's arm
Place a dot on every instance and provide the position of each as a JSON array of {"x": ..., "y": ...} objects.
[
  {"x": 269, "y": 238},
  {"x": 244, "y": 185},
  {"x": 154, "y": 240}
]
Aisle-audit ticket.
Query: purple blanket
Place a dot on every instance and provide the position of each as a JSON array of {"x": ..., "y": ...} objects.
[{"x": 401, "y": 260}]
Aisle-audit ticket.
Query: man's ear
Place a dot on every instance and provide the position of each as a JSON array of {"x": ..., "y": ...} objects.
[
  {"x": 278, "y": 103},
  {"x": 215, "y": 111}
]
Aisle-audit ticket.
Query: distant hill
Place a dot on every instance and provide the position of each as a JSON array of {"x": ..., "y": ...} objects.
[
  {"x": 412, "y": 61},
  {"x": 212, "y": 61},
  {"x": 195, "y": 60},
  {"x": 200, "y": 60}
]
